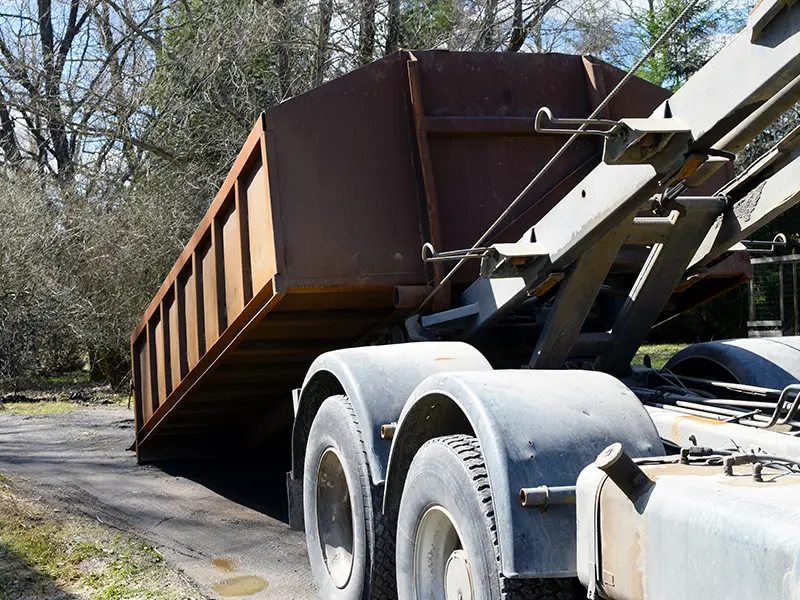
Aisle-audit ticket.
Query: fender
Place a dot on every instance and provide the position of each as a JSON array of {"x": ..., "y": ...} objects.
[
  {"x": 764, "y": 362},
  {"x": 535, "y": 428},
  {"x": 378, "y": 380}
]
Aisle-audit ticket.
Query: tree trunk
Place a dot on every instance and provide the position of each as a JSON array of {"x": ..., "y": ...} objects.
[
  {"x": 282, "y": 49},
  {"x": 518, "y": 29},
  {"x": 486, "y": 41},
  {"x": 8, "y": 141},
  {"x": 321, "y": 57},
  {"x": 366, "y": 34},
  {"x": 53, "y": 60},
  {"x": 393, "y": 27}
]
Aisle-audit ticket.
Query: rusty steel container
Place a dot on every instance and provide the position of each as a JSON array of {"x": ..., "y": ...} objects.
[{"x": 313, "y": 241}]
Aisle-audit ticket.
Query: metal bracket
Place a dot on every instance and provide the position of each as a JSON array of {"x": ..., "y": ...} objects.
[
  {"x": 498, "y": 260},
  {"x": 628, "y": 141},
  {"x": 637, "y": 141},
  {"x": 429, "y": 253},
  {"x": 571, "y": 121},
  {"x": 752, "y": 245},
  {"x": 543, "y": 495},
  {"x": 508, "y": 260},
  {"x": 449, "y": 319}
]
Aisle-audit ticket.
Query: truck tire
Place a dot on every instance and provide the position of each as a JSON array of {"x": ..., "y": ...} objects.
[
  {"x": 447, "y": 546},
  {"x": 342, "y": 520}
]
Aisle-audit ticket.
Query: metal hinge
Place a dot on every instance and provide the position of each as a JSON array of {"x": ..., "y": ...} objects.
[
  {"x": 509, "y": 260},
  {"x": 628, "y": 141}
]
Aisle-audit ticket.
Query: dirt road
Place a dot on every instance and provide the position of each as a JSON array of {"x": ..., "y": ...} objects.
[{"x": 224, "y": 525}]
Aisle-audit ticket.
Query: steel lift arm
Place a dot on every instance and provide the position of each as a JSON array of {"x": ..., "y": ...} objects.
[{"x": 636, "y": 197}]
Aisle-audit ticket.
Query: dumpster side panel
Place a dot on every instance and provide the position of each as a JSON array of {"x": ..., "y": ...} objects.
[
  {"x": 342, "y": 171},
  {"x": 204, "y": 303},
  {"x": 233, "y": 273},
  {"x": 259, "y": 218},
  {"x": 208, "y": 275}
]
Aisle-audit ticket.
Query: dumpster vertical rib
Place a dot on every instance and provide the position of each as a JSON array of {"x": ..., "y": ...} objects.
[
  {"x": 152, "y": 367},
  {"x": 271, "y": 185},
  {"x": 136, "y": 363},
  {"x": 431, "y": 200},
  {"x": 160, "y": 353},
  {"x": 218, "y": 269},
  {"x": 596, "y": 86}
]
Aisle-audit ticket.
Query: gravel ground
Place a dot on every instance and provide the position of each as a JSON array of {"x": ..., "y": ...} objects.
[{"x": 223, "y": 525}]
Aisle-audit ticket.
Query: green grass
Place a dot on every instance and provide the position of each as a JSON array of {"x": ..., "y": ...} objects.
[
  {"x": 62, "y": 393},
  {"x": 44, "y": 407},
  {"x": 659, "y": 353},
  {"x": 43, "y": 553}
]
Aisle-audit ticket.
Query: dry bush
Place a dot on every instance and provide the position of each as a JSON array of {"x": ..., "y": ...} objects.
[{"x": 40, "y": 306}]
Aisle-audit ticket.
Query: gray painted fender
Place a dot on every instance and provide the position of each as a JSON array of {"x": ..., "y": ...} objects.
[
  {"x": 765, "y": 362},
  {"x": 378, "y": 380},
  {"x": 535, "y": 428}
]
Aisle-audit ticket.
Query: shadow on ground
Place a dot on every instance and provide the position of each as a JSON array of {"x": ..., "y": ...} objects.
[
  {"x": 249, "y": 483},
  {"x": 256, "y": 480},
  {"x": 20, "y": 581}
]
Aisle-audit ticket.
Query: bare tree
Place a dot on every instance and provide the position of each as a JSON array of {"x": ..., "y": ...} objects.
[
  {"x": 68, "y": 79},
  {"x": 323, "y": 35},
  {"x": 522, "y": 26},
  {"x": 392, "y": 27},
  {"x": 366, "y": 32},
  {"x": 486, "y": 37}
]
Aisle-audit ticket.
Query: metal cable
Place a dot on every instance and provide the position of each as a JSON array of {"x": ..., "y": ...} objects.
[{"x": 667, "y": 32}]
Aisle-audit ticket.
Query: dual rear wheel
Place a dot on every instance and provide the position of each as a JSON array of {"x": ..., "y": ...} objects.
[
  {"x": 345, "y": 534},
  {"x": 444, "y": 544}
]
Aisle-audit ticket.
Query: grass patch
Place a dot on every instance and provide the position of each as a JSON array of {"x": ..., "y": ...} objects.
[
  {"x": 46, "y": 555},
  {"x": 40, "y": 395},
  {"x": 659, "y": 353},
  {"x": 43, "y": 407}
]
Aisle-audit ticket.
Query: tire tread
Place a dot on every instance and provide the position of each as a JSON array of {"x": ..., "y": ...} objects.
[
  {"x": 381, "y": 577},
  {"x": 468, "y": 450}
]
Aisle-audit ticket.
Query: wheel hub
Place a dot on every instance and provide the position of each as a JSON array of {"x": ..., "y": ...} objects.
[
  {"x": 441, "y": 565},
  {"x": 335, "y": 518},
  {"x": 458, "y": 577}
]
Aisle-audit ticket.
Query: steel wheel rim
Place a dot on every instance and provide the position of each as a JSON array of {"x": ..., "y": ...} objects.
[
  {"x": 441, "y": 565},
  {"x": 334, "y": 518}
]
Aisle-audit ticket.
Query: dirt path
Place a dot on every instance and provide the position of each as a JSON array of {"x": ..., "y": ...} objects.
[{"x": 220, "y": 524}]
